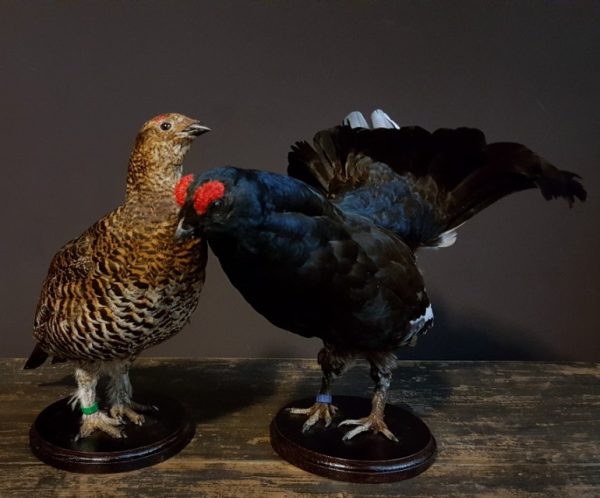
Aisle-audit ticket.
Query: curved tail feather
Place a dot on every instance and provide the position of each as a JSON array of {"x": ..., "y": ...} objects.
[{"x": 509, "y": 168}]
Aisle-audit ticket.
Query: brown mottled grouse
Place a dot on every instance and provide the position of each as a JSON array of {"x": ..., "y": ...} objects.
[{"x": 125, "y": 284}]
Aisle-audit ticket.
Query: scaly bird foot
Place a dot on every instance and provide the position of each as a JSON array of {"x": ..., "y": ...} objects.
[
  {"x": 371, "y": 423},
  {"x": 318, "y": 411},
  {"x": 130, "y": 411},
  {"x": 99, "y": 421}
]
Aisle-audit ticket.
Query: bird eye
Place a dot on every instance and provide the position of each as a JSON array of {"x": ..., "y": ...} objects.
[
  {"x": 165, "y": 125},
  {"x": 218, "y": 203}
]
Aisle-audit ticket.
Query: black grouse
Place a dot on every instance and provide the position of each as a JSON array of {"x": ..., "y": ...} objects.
[{"x": 329, "y": 251}]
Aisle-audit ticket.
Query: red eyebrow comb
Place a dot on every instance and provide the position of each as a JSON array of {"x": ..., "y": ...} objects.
[
  {"x": 160, "y": 117},
  {"x": 182, "y": 188},
  {"x": 206, "y": 194}
]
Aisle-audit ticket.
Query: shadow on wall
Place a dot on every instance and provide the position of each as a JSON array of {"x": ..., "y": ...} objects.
[
  {"x": 463, "y": 336},
  {"x": 457, "y": 336}
]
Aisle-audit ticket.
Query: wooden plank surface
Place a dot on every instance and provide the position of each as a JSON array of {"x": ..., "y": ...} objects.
[{"x": 503, "y": 430}]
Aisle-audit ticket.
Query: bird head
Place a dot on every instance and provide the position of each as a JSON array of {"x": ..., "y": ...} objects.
[
  {"x": 160, "y": 148},
  {"x": 214, "y": 202}
]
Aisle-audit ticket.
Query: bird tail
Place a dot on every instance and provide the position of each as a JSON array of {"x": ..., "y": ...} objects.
[
  {"x": 508, "y": 168},
  {"x": 37, "y": 358},
  {"x": 421, "y": 185}
]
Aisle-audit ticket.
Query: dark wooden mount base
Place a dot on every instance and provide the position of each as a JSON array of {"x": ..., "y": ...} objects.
[
  {"x": 368, "y": 457},
  {"x": 164, "y": 433}
]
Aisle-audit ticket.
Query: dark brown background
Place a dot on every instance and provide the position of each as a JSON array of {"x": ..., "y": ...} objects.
[{"x": 78, "y": 79}]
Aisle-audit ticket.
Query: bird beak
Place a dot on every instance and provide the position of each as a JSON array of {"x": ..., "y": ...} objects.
[
  {"x": 195, "y": 130},
  {"x": 183, "y": 232}
]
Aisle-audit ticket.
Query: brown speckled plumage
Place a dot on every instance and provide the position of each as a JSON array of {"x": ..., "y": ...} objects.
[{"x": 125, "y": 284}]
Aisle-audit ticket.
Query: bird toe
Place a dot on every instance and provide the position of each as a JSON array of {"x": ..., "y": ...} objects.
[
  {"x": 318, "y": 412},
  {"x": 298, "y": 411},
  {"x": 351, "y": 421},
  {"x": 121, "y": 412},
  {"x": 370, "y": 423},
  {"x": 139, "y": 407},
  {"x": 99, "y": 421},
  {"x": 354, "y": 432}
]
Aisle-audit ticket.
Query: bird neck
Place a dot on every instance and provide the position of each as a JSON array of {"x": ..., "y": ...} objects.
[{"x": 149, "y": 175}]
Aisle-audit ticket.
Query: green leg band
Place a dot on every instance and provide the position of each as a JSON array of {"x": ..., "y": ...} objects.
[{"x": 88, "y": 410}]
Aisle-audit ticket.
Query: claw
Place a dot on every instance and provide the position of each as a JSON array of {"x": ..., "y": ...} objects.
[{"x": 372, "y": 423}]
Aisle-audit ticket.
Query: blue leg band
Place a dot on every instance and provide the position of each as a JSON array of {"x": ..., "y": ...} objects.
[{"x": 324, "y": 398}]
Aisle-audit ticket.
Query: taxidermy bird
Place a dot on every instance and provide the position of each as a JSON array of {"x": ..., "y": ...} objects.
[
  {"x": 329, "y": 251},
  {"x": 125, "y": 284}
]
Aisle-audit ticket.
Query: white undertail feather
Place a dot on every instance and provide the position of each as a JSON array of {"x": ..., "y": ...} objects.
[
  {"x": 418, "y": 326},
  {"x": 447, "y": 239},
  {"x": 381, "y": 120},
  {"x": 356, "y": 120}
]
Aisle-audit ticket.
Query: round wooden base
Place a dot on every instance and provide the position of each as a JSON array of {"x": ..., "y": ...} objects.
[
  {"x": 368, "y": 457},
  {"x": 164, "y": 433}
]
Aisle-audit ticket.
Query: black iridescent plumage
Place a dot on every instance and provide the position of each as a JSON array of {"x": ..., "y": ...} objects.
[{"x": 329, "y": 250}]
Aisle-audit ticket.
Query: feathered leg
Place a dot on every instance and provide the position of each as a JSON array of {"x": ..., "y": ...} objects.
[
  {"x": 120, "y": 394},
  {"x": 332, "y": 366},
  {"x": 381, "y": 373},
  {"x": 92, "y": 419}
]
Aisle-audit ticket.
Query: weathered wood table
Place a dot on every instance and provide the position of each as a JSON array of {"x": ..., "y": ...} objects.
[{"x": 503, "y": 430}]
